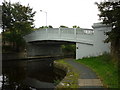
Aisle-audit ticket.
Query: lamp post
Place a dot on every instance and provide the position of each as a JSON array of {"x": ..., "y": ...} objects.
[{"x": 46, "y": 16}]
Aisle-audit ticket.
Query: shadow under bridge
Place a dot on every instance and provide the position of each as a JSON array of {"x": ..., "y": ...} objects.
[{"x": 51, "y": 48}]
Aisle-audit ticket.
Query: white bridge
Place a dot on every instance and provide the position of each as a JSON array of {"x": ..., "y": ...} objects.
[
  {"x": 62, "y": 34},
  {"x": 89, "y": 42}
]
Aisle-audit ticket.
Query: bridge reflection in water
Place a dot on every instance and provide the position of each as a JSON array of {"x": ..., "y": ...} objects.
[{"x": 29, "y": 74}]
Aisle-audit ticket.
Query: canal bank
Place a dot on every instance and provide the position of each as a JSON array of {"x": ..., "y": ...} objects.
[
  {"x": 48, "y": 73},
  {"x": 72, "y": 75},
  {"x": 30, "y": 73}
]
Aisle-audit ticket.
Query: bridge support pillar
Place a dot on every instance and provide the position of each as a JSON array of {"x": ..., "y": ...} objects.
[{"x": 84, "y": 50}]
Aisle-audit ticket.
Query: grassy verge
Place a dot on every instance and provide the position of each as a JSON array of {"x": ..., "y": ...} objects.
[
  {"x": 71, "y": 78},
  {"x": 104, "y": 68}
]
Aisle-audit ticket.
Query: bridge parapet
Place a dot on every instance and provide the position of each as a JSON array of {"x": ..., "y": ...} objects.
[{"x": 62, "y": 34}]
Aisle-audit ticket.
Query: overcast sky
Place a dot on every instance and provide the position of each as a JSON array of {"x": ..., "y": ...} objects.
[{"x": 82, "y": 13}]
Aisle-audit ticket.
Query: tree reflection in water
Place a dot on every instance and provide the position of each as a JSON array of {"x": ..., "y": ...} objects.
[
  {"x": 16, "y": 73},
  {"x": 13, "y": 78}
]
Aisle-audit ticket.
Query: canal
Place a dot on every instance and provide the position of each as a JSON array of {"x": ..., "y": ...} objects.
[{"x": 30, "y": 74}]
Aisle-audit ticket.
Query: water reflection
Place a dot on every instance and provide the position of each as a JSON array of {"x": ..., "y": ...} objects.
[
  {"x": 0, "y": 81},
  {"x": 28, "y": 75}
]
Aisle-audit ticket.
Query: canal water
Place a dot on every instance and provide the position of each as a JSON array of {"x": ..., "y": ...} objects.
[{"x": 30, "y": 74}]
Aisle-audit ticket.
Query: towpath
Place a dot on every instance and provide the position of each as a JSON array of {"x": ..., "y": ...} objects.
[{"x": 88, "y": 78}]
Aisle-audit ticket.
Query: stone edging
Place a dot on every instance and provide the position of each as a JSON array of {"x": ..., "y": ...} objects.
[{"x": 71, "y": 78}]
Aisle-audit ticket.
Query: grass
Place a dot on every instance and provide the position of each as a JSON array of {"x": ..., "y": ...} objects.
[
  {"x": 71, "y": 78},
  {"x": 105, "y": 68}
]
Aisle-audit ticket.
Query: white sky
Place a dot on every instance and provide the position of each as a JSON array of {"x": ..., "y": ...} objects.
[{"x": 82, "y": 13}]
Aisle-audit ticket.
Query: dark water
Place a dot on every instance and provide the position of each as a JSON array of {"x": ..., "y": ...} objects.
[{"x": 29, "y": 75}]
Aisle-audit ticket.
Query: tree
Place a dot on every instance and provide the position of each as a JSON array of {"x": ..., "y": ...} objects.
[
  {"x": 62, "y": 26},
  {"x": 76, "y": 26},
  {"x": 110, "y": 14},
  {"x": 42, "y": 27},
  {"x": 50, "y": 26},
  {"x": 69, "y": 49},
  {"x": 17, "y": 22},
  {"x": 6, "y": 16}
]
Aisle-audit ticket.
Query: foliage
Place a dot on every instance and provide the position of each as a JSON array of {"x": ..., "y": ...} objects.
[
  {"x": 76, "y": 26},
  {"x": 50, "y": 26},
  {"x": 43, "y": 27},
  {"x": 110, "y": 14},
  {"x": 72, "y": 75},
  {"x": 69, "y": 49},
  {"x": 17, "y": 22},
  {"x": 105, "y": 68},
  {"x": 62, "y": 26}
]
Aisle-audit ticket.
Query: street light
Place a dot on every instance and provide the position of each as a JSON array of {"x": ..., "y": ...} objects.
[{"x": 46, "y": 16}]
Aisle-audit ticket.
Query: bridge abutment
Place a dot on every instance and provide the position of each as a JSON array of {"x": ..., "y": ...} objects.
[
  {"x": 98, "y": 47},
  {"x": 84, "y": 50},
  {"x": 99, "y": 38}
]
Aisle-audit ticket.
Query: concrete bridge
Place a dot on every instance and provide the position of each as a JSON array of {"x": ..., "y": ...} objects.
[{"x": 89, "y": 42}]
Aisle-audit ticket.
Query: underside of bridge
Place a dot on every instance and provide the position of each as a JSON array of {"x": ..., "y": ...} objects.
[{"x": 47, "y": 48}]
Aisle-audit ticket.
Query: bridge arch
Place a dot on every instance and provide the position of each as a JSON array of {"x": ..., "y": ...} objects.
[{"x": 46, "y": 48}]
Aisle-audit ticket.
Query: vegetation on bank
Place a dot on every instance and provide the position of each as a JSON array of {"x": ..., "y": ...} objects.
[
  {"x": 105, "y": 68},
  {"x": 110, "y": 15},
  {"x": 17, "y": 21},
  {"x": 69, "y": 50},
  {"x": 71, "y": 78}
]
